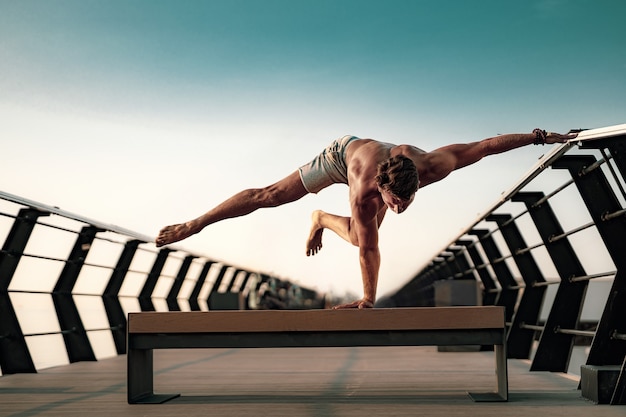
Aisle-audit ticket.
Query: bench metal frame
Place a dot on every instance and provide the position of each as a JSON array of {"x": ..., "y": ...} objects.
[{"x": 149, "y": 331}]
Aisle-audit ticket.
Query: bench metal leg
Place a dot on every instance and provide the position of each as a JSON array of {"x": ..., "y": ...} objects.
[
  {"x": 140, "y": 379},
  {"x": 502, "y": 379}
]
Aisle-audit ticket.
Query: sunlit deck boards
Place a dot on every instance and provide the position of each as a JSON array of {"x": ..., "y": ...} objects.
[{"x": 405, "y": 381}]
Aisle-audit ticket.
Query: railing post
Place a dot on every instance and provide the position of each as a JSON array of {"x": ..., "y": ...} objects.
[
  {"x": 445, "y": 271},
  {"x": 14, "y": 354},
  {"x": 172, "y": 302},
  {"x": 600, "y": 200},
  {"x": 520, "y": 340},
  {"x": 233, "y": 279},
  {"x": 74, "y": 334},
  {"x": 490, "y": 289},
  {"x": 509, "y": 291},
  {"x": 219, "y": 278},
  {"x": 110, "y": 297},
  {"x": 145, "y": 295},
  {"x": 244, "y": 283},
  {"x": 242, "y": 288},
  {"x": 617, "y": 296},
  {"x": 216, "y": 285},
  {"x": 461, "y": 264},
  {"x": 195, "y": 293},
  {"x": 554, "y": 349}
]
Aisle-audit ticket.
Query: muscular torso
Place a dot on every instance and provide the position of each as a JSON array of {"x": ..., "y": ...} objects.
[
  {"x": 364, "y": 155},
  {"x": 362, "y": 159}
]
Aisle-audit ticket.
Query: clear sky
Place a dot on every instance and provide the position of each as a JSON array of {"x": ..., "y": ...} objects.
[{"x": 143, "y": 113}]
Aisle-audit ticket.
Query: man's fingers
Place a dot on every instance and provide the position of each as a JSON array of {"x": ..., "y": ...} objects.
[{"x": 553, "y": 137}]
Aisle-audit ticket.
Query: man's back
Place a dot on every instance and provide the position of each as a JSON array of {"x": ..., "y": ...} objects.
[{"x": 363, "y": 157}]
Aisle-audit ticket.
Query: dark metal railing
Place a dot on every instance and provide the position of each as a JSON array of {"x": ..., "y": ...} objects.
[
  {"x": 493, "y": 252},
  {"x": 101, "y": 249}
]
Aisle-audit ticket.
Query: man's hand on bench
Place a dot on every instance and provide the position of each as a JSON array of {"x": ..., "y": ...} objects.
[{"x": 355, "y": 304}]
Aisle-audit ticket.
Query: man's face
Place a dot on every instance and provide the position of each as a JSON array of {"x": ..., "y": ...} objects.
[{"x": 395, "y": 203}]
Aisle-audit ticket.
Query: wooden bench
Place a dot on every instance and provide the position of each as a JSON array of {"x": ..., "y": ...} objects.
[{"x": 423, "y": 326}]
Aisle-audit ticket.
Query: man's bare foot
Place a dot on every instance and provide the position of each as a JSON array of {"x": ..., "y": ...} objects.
[
  {"x": 173, "y": 233},
  {"x": 355, "y": 304},
  {"x": 314, "y": 244}
]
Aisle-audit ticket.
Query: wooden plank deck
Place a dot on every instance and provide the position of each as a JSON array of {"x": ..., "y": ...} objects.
[{"x": 312, "y": 382}]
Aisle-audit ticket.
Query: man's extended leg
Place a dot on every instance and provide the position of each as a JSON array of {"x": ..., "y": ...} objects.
[{"x": 245, "y": 202}]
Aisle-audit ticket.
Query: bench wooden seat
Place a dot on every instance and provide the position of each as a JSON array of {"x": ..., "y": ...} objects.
[{"x": 422, "y": 326}]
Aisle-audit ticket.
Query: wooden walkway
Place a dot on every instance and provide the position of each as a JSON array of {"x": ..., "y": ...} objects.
[{"x": 313, "y": 382}]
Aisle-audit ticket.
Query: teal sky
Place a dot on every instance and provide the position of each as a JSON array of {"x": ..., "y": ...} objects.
[{"x": 144, "y": 113}]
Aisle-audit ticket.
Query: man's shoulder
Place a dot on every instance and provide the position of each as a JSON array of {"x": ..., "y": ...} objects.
[
  {"x": 435, "y": 166},
  {"x": 369, "y": 151},
  {"x": 410, "y": 151}
]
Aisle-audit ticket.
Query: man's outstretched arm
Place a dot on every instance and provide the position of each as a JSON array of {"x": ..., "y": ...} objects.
[
  {"x": 467, "y": 154},
  {"x": 446, "y": 159}
]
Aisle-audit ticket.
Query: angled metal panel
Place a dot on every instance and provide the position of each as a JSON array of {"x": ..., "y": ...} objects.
[
  {"x": 554, "y": 349},
  {"x": 195, "y": 293},
  {"x": 121, "y": 268},
  {"x": 446, "y": 270},
  {"x": 14, "y": 354},
  {"x": 172, "y": 296},
  {"x": 509, "y": 291},
  {"x": 218, "y": 279},
  {"x": 490, "y": 289},
  {"x": 112, "y": 306},
  {"x": 15, "y": 243},
  {"x": 244, "y": 283},
  {"x": 231, "y": 284},
  {"x": 74, "y": 335},
  {"x": 145, "y": 295},
  {"x": 224, "y": 300},
  {"x": 461, "y": 264},
  {"x": 600, "y": 200},
  {"x": 616, "y": 146},
  {"x": 519, "y": 339}
]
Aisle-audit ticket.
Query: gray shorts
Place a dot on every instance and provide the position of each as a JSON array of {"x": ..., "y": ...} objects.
[{"x": 329, "y": 167}]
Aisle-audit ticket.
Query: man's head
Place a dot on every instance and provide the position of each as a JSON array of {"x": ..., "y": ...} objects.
[{"x": 397, "y": 177}]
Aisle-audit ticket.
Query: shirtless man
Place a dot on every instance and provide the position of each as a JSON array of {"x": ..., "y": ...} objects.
[{"x": 380, "y": 175}]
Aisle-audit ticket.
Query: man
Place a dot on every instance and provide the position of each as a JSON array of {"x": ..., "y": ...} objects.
[{"x": 380, "y": 175}]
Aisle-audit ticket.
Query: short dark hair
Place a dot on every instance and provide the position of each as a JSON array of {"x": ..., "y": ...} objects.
[{"x": 399, "y": 176}]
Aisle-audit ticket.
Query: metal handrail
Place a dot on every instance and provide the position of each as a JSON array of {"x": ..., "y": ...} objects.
[{"x": 56, "y": 210}]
